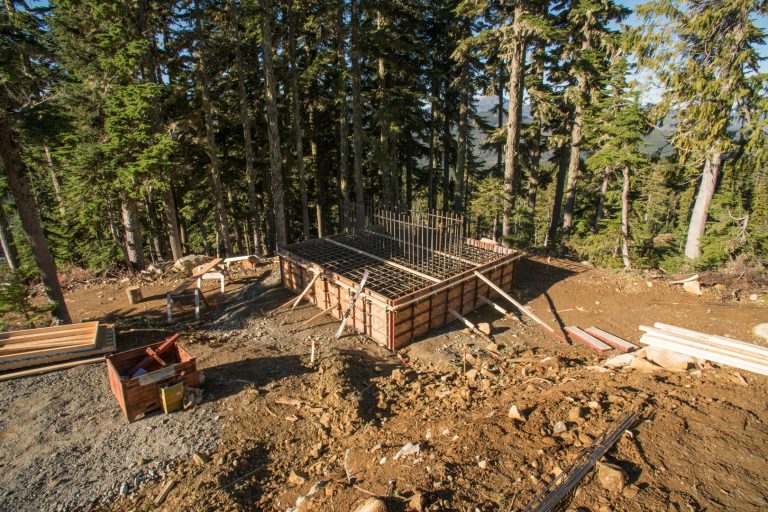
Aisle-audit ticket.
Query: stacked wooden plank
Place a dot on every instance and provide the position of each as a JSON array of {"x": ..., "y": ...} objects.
[
  {"x": 718, "y": 349},
  {"x": 42, "y": 348}
]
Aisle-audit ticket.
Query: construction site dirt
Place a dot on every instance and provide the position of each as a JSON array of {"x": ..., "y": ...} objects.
[{"x": 273, "y": 428}]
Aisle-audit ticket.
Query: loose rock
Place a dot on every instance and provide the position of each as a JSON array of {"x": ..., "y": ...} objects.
[
  {"x": 297, "y": 477},
  {"x": 372, "y": 505},
  {"x": 611, "y": 477}
]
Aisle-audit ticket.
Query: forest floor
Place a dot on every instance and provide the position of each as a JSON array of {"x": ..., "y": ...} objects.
[{"x": 272, "y": 426}]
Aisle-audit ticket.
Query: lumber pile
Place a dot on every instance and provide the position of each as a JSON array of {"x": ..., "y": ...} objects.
[
  {"x": 54, "y": 348},
  {"x": 717, "y": 349}
]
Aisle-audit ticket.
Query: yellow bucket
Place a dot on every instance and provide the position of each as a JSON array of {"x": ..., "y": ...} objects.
[{"x": 172, "y": 397}]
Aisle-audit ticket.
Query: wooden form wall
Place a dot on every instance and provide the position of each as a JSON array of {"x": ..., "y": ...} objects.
[
  {"x": 395, "y": 323},
  {"x": 419, "y": 313}
]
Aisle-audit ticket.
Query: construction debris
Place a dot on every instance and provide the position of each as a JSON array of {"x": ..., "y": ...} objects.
[
  {"x": 562, "y": 485},
  {"x": 164, "y": 492},
  {"x": 718, "y": 349},
  {"x": 612, "y": 340},
  {"x": 43, "y": 347},
  {"x": 136, "y": 375},
  {"x": 587, "y": 339},
  {"x": 761, "y": 330}
]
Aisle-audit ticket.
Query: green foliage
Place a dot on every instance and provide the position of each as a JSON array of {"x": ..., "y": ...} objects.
[
  {"x": 15, "y": 304},
  {"x": 125, "y": 116}
]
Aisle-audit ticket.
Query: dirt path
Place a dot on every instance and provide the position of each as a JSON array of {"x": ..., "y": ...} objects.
[{"x": 267, "y": 412}]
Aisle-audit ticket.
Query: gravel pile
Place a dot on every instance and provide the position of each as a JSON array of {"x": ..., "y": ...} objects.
[{"x": 65, "y": 444}]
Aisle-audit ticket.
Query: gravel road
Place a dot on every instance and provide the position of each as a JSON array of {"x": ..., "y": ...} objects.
[{"x": 65, "y": 444}]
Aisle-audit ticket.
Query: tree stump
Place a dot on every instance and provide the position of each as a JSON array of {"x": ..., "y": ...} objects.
[{"x": 134, "y": 294}]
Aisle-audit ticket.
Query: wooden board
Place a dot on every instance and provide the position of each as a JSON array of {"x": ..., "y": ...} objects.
[
  {"x": 50, "y": 368},
  {"x": 612, "y": 340},
  {"x": 105, "y": 344},
  {"x": 587, "y": 339},
  {"x": 49, "y": 333},
  {"x": 44, "y": 330},
  {"x": 728, "y": 360},
  {"x": 193, "y": 278}
]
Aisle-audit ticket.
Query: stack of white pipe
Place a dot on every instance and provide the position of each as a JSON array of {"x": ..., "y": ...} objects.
[{"x": 718, "y": 349}]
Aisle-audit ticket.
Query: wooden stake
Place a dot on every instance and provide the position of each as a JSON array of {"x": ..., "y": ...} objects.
[
  {"x": 471, "y": 326},
  {"x": 522, "y": 308},
  {"x": 351, "y": 307},
  {"x": 497, "y": 307},
  {"x": 312, "y": 355},
  {"x": 134, "y": 294},
  {"x": 164, "y": 493},
  {"x": 465, "y": 357},
  {"x": 320, "y": 314},
  {"x": 301, "y": 296}
]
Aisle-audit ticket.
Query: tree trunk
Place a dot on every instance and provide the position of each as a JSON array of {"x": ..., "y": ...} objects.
[
  {"x": 134, "y": 245},
  {"x": 461, "y": 143},
  {"x": 434, "y": 120},
  {"x": 500, "y": 119},
  {"x": 204, "y": 236},
  {"x": 273, "y": 132},
  {"x": 6, "y": 240},
  {"x": 117, "y": 235},
  {"x": 625, "y": 219},
  {"x": 341, "y": 63},
  {"x": 554, "y": 221},
  {"x": 446, "y": 149},
  {"x": 210, "y": 131},
  {"x": 698, "y": 221},
  {"x": 156, "y": 241},
  {"x": 54, "y": 180},
  {"x": 296, "y": 121},
  {"x": 533, "y": 178},
  {"x": 409, "y": 174},
  {"x": 386, "y": 158},
  {"x": 601, "y": 200},
  {"x": 357, "y": 118},
  {"x": 514, "y": 122},
  {"x": 172, "y": 224},
  {"x": 575, "y": 156},
  {"x": 245, "y": 120},
  {"x": 321, "y": 204}
]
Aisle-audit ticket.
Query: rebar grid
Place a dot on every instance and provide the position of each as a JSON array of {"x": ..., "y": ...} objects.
[{"x": 341, "y": 261}]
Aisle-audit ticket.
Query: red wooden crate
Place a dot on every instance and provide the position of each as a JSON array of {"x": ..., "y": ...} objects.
[{"x": 140, "y": 395}]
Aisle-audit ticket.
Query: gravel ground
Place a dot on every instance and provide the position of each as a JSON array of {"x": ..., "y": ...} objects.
[{"x": 67, "y": 450}]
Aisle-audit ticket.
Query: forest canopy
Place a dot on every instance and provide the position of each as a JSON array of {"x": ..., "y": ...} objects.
[{"x": 132, "y": 132}]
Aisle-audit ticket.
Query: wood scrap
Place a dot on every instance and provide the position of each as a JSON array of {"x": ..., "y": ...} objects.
[
  {"x": 301, "y": 296},
  {"x": 169, "y": 485},
  {"x": 152, "y": 354},
  {"x": 587, "y": 339},
  {"x": 470, "y": 325},
  {"x": 351, "y": 306},
  {"x": 522, "y": 308},
  {"x": 37, "y": 354},
  {"x": 612, "y": 340},
  {"x": 694, "y": 277},
  {"x": 50, "y": 368},
  {"x": 718, "y": 349}
]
